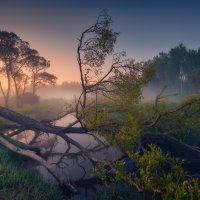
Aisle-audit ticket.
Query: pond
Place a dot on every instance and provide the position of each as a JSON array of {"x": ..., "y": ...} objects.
[{"x": 67, "y": 161}]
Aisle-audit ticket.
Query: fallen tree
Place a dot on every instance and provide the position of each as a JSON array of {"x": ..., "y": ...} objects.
[
  {"x": 95, "y": 44},
  {"x": 121, "y": 83}
]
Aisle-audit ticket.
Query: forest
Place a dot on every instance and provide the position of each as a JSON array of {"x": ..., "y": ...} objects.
[{"x": 157, "y": 141}]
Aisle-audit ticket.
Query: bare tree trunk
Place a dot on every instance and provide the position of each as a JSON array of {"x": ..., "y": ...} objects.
[
  {"x": 8, "y": 89},
  {"x": 35, "y": 125},
  {"x": 17, "y": 94},
  {"x": 23, "y": 92},
  {"x": 33, "y": 89},
  {"x": 2, "y": 91}
]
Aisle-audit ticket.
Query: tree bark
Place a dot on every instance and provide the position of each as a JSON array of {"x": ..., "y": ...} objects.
[
  {"x": 8, "y": 89},
  {"x": 35, "y": 125},
  {"x": 17, "y": 93}
]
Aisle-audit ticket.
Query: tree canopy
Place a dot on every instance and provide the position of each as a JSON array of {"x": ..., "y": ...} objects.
[
  {"x": 21, "y": 66},
  {"x": 176, "y": 68}
]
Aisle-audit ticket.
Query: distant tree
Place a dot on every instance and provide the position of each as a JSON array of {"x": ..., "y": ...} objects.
[
  {"x": 24, "y": 85},
  {"x": 37, "y": 67},
  {"x": 45, "y": 78},
  {"x": 21, "y": 65},
  {"x": 174, "y": 68},
  {"x": 20, "y": 80},
  {"x": 161, "y": 63},
  {"x": 11, "y": 50},
  {"x": 19, "y": 74}
]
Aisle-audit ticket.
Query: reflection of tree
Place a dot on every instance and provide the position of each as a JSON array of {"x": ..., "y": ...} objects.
[{"x": 48, "y": 144}]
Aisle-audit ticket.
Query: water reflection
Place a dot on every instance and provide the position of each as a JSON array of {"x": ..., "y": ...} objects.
[{"x": 65, "y": 159}]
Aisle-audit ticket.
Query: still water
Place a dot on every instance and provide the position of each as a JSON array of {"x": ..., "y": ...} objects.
[{"x": 72, "y": 165}]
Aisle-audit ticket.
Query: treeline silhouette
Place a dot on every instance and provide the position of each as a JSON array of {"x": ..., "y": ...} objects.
[{"x": 178, "y": 69}]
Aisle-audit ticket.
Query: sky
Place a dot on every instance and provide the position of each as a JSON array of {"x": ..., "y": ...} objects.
[{"x": 146, "y": 27}]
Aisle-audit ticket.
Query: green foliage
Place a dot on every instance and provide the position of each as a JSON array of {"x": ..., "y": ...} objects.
[
  {"x": 120, "y": 120},
  {"x": 95, "y": 44},
  {"x": 182, "y": 120},
  {"x": 188, "y": 189},
  {"x": 129, "y": 133},
  {"x": 163, "y": 173},
  {"x": 128, "y": 85},
  {"x": 158, "y": 170},
  {"x": 96, "y": 117},
  {"x": 121, "y": 174},
  {"x": 100, "y": 171}
]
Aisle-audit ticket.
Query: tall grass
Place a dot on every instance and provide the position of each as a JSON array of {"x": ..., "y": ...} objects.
[{"x": 18, "y": 183}]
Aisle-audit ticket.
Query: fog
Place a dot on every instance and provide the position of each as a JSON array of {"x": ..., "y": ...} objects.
[
  {"x": 70, "y": 91},
  {"x": 57, "y": 93},
  {"x": 150, "y": 93}
]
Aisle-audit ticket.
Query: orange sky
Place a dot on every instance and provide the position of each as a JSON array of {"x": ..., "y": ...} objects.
[{"x": 62, "y": 59}]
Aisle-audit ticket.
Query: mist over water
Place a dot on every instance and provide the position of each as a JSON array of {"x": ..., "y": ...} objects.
[{"x": 73, "y": 165}]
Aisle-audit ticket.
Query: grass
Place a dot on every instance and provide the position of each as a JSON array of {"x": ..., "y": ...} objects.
[
  {"x": 18, "y": 183},
  {"x": 43, "y": 110}
]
